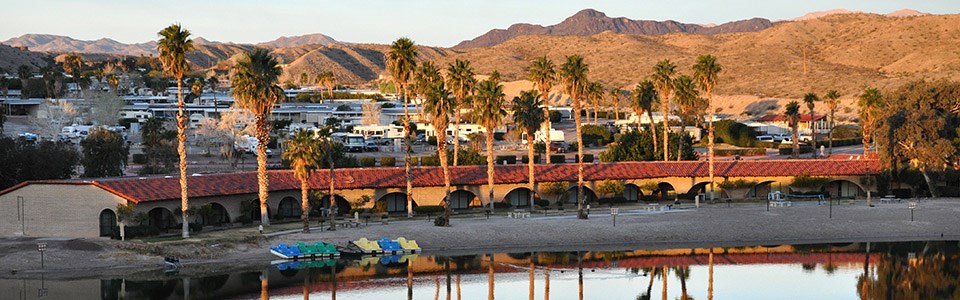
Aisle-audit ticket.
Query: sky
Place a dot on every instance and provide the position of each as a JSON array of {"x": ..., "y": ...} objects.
[{"x": 427, "y": 22}]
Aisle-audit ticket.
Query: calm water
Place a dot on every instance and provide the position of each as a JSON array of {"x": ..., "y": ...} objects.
[{"x": 916, "y": 270}]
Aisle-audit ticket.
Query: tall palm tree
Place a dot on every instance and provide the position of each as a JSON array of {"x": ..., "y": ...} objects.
[
  {"x": 831, "y": 99},
  {"x": 528, "y": 117},
  {"x": 488, "y": 112},
  {"x": 685, "y": 96},
  {"x": 596, "y": 93},
  {"x": 73, "y": 64},
  {"x": 869, "y": 102},
  {"x": 212, "y": 82},
  {"x": 439, "y": 106},
  {"x": 707, "y": 73},
  {"x": 425, "y": 77},
  {"x": 173, "y": 46},
  {"x": 255, "y": 78},
  {"x": 615, "y": 94},
  {"x": 810, "y": 99},
  {"x": 644, "y": 99},
  {"x": 792, "y": 111},
  {"x": 326, "y": 80},
  {"x": 401, "y": 62},
  {"x": 663, "y": 73},
  {"x": 196, "y": 88},
  {"x": 573, "y": 76},
  {"x": 328, "y": 150},
  {"x": 542, "y": 73},
  {"x": 461, "y": 83},
  {"x": 303, "y": 153}
]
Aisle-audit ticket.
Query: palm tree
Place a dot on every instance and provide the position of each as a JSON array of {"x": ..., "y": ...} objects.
[
  {"x": 870, "y": 100},
  {"x": 212, "y": 82},
  {"x": 488, "y": 112},
  {"x": 114, "y": 82},
  {"x": 831, "y": 99},
  {"x": 328, "y": 150},
  {"x": 573, "y": 75},
  {"x": 24, "y": 73},
  {"x": 528, "y": 117},
  {"x": 707, "y": 73},
  {"x": 174, "y": 44},
  {"x": 793, "y": 113},
  {"x": 542, "y": 73},
  {"x": 302, "y": 152},
  {"x": 400, "y": 62},
  {"x": 615, "y": 94},
  {"x": 460, "y": 81},
  {"x": 644, "y": 99},
  {"x": 438, "y": 104},
  {"x": 255, "y": 78},
  {"x": 809, "y": 99},
  {"x": 595, "y": 92},
  {"x": 685, "y": 96},
  {"x": 196, "y": 88},
  {"x": 326, "y": 80},
  {"x": 662, "y": 77},
  {"x": 73, "y": 64}
]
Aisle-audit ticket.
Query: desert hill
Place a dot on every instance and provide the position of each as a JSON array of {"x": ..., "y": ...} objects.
[
  {"x": 64, "y": 44},
  {"x": 589, "y": 22},
  {"x": 300, "y": 40},
  {"x": 11, "y": 58}
]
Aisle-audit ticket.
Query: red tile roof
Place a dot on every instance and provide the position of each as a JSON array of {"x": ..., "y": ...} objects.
[{"x": 164, "y": 188}]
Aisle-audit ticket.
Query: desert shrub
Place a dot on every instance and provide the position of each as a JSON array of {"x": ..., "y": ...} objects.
[
  {"x": 807, "y": 181},
  {"x": 429, "y": 160},
  {"x": 764, "y": 144},
  {"x": 596, "y": 135},
  {"x": 388, "y": 161},
  {"x": 555, "y": 116},
  {"x": 509, "y": 159},
  {"x": 736, "y": 184},
  {"x": 441, "y": 221},
  {"x": 734, "y": 133},
  {"x": 845, "y": 132},
  {"x": 367, "y": 162}
]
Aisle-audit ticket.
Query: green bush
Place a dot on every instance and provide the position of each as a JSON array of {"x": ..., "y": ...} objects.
[
  {"x": 741, "y": 152},
  {"x": 557, "y": 159},
  {"x": 131, "y": 232},
  {"x": 428, "y": 209},
  {"x": 430, "y": 160},
  {"x": 525, "y": 159},
  {"x": 367, "y": 162},
  {"x": 788, "y": 149},
  {"x": 807, "y": 181},
  {"x": 139, "y": 158},
  {"x": 441, "y": 221},
  {"x": 596, "y": 135},
  {"x": 543, "y": 203},
  {"x": 572, "y": 147},
  {"x": 845, "y": 132},
  {"x": 736, "y": 184},
  {"x": 555, "y": 116},
  {"x": 388, "y": 161},
  {"x": 502, "y": 205},
  {"x": 765, "y": 144},
  {"x": 498, "y": 136},
  {"x": 843, "y": 142},
  {"x": 540, "y": 148},
  {"x": 509, "y": 159},
  {"x": 734, "y": 133},
  {"x": 244, "y": 219},
  {"x": 612, "y": 200},
  {"x": 194, "y": 227},
  {"x": 587, "y": 158}
]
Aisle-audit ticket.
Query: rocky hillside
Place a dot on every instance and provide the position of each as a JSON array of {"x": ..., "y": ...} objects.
[
  {"x": 589, "y": 22},
  {"x": 300, "y": 40},
  {"x": 11, "y": 58},
  {"x": 64, "y": 44}
]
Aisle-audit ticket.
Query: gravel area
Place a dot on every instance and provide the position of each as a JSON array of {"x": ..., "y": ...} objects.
[{"x": 711, "y": 225}]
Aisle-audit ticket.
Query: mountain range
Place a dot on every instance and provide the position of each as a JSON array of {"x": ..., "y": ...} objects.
[{"x": 64, "y": 44}]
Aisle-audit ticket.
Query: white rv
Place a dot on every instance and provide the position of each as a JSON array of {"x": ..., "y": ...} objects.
[{"x": 351, "y": 141}]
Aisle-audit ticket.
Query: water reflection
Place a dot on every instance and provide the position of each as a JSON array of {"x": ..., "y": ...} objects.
[{"x": 919, "y": 270}]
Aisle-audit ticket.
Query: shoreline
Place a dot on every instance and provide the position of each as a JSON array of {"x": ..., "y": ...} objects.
[{"x": 712, "y": 225}]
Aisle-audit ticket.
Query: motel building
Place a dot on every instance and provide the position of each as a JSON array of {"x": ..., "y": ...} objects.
[{"x": 88, "y": 208}]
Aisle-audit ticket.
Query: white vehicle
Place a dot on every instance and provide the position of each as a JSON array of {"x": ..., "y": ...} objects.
[
  {"x": 765, "y": 138},
  {"x": 555, "y": 135},
  {"x": 803, "y": 138},
  {"x": 351, "y": 141},
  {"x": 68, "y": 132},
  {"x": 249, "y": 144},
  {"x": 382, "y": 131}
]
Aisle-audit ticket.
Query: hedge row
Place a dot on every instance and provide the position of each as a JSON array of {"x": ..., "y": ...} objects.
[{"x": 741, "y": 152}]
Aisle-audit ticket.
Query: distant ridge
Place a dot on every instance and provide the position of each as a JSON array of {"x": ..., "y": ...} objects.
[
  {"x": 61, "y": 44},
  {"x": 589, "y": 22},
  {"x": 300, "y": 40}
]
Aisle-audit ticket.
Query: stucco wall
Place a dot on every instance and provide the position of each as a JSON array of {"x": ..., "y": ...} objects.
[{"x": 66, "y": 210}]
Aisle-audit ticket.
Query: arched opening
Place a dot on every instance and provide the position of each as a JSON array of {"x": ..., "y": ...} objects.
[
  {"x": 218, "y": 215},
  {"x": 396, "y": 202},
  {"x": 761, "y": 190},
  {"x": 108, "y": 220},
  {"x": 699, "y": 188},
  {"x": 519, "y": 197},
  {"x": 844, "y": 189},
  {"x": 289, "y": 208},
  {"x": 252, "y": 209},
  {"x": 343, "y": 206},
  {"x": 666, "y": 191},
  {"x": 462, "y": 199},
  {"x": 588, "y": 195},
  {"x": 161, "y": 218},
  {"x": 632, "y": 192}
]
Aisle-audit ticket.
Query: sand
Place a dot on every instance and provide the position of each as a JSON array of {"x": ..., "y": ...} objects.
[{"x": 712, "y": 225}]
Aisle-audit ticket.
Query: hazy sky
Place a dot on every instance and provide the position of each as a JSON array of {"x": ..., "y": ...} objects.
[{"x": 429, "y": 22}]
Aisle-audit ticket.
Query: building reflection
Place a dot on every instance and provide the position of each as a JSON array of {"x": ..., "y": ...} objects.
[{"x": 928, "y": 270}]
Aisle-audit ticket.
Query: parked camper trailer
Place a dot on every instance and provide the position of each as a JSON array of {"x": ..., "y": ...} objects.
[{"x": 351, "y": 141}]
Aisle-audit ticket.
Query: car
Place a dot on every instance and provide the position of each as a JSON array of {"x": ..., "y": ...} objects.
[
  {"x": 558, "y": 147},
  {"x": 371, "y": 147},
  {"x": 765, "y": 138}
]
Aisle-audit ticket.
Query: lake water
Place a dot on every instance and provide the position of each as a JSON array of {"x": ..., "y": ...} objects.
[{"x": 914, "y": 270}]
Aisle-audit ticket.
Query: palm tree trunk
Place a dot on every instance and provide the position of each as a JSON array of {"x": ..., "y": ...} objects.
[
  {"x": 616, "y": 109},
  {"x": 409, "y": 279},
  {"x": 489, "y": 145},
  {"x": 813, "y": 135},
  {"x": 796, "y": 139},
  {"x": 664, "y": 108},
  {"x": 710, "y": 145},
  {"x": 182, "y": 152},
  {"x": 456, "y": 135},
  {"x": 406, "y": 153},
  {"x": 653, "y": 129},
  {"x": 532, "y": 269},
  {"x": 830, "y": 135},
  {"x": 490, "y": 278},
  {"x": 530, "y": 168},
  {"x": 710, "y": 275},
  {"x": 264, "y": 285},
  {"x": 576, "y": 117},
  {"x": 683, "y": 132},
  {"x": 304, "y": 206},
  {"x": 262, "y": 182},
  {"x": 442, "y": 152},
  {"x": 926, "y": 177},
  {"x": 546, "y": 284},
  {"x": 332, "y": 195},
  {"x": 664, "y": 277},
  {"x": 596, "y": 111},
  {"x": 546, "y": 130}
]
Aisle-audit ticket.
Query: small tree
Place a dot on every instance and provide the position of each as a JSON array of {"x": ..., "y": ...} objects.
[
  {"x": 610, "y": 188},
  {"x": 557, "y": 188},
  {"x": 104, "y": 154}
]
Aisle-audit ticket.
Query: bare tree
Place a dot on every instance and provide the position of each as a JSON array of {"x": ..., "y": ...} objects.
[
  {"x": 104, "y": 108},
  {"x": 371, "y": 113}
]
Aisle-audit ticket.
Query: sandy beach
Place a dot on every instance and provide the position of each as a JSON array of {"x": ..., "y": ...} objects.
[{"x": 711, "y": 225}]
